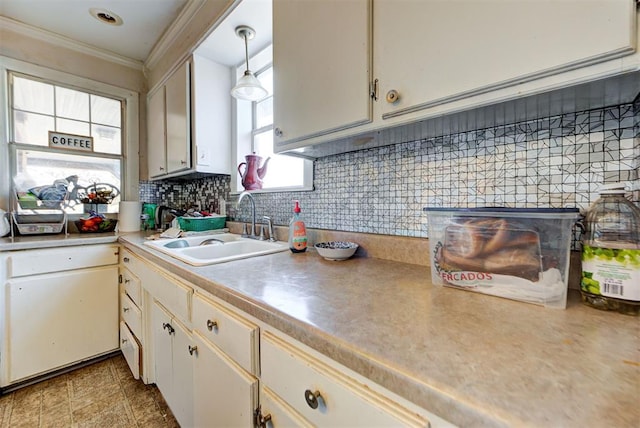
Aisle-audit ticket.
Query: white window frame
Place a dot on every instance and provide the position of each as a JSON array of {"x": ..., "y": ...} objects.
[
  {"x": 243, "y": 131},
  {"x": 130, "y": 125}
]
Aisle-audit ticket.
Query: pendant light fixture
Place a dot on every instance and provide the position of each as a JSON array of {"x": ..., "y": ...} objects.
[{"x": 248, "y": 87}]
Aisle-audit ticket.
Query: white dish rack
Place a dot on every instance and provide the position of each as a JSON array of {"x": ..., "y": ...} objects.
[{"x": 36, "y": 217}]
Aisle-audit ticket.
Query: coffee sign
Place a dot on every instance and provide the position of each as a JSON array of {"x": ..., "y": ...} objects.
[{"x": 70, "y": 142}]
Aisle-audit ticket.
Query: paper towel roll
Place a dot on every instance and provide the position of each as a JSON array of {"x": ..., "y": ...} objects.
[{"x": 129, "y": 216}]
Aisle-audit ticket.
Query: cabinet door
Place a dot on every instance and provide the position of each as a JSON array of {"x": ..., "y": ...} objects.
[
  {"x": 435, "y": 51},
  {"x": 211, "y": 115},
  {"x": 58, "y": 319},
  {"x": 183, "y": 356},
  {"x": 162, "y": 355},
  {"x": 178, "y": 116},
  {"x": 321, "y": 77},
  {"x": 156, "y": 134},
  {"x": 224, "y": 394}
]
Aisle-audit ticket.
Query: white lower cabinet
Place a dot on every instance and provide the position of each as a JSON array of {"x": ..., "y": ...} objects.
[
  {"x": 225, "y": 395},
  {"x": 173, "y": 352},
  {"x": 55, "y": 311},
  {"x": 217, "y": 366},
  {"x": 226, "y": 365}
]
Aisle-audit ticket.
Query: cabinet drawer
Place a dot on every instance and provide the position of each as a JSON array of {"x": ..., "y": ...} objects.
[
  {"x": 234, "y": 335},
  {"x": 132, "y": 286},
  {"x": 33, "y": 262},
  {"x": 131, "y": 350},
  {"x": 280, "y": 414},
  {"x": 173, "y": 295},
  {"x": 300, "y": 379},
  {"x": 130, "y": 314}
]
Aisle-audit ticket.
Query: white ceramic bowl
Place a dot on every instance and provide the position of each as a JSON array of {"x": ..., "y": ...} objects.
[{"x": 336, "y": 250}]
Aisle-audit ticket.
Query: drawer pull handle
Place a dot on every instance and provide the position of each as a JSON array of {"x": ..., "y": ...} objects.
[
  {"x": 125, "y": 259},
  {"x": 312, "y": 398},
  {"x": 261, "y": 420},
  {"x": 168, "y": 327},
  {"x": 193, "y": 349},
  {"x": 125, "y": 309},
  {"x": 212, "y": 324}
]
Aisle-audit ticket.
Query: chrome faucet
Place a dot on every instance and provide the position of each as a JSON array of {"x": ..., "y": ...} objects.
[{"x": 252, "y": 232}]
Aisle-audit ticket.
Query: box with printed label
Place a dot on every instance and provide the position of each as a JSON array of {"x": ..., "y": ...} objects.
[{"x": 519, "y": 254}]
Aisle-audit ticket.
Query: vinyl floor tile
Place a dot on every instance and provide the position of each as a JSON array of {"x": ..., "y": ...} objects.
[{"x": 103, "y": 394}]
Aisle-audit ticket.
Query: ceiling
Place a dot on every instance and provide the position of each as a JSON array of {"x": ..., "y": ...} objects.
[
  {"x": 143, "y": 24},
  {"x": 224, "y": 47}
]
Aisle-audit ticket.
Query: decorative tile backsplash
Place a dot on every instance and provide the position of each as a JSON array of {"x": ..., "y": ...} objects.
[
  {"x": 556, "y": 162},
  {"x": 204, "y": 193}
]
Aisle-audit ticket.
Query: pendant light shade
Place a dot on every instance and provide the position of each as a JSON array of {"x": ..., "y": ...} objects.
[{"x": 248, "y": 87}]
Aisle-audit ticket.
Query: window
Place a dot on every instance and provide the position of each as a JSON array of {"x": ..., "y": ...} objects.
[
  {"x": 38, "y": 106},
  {"x": 255, "y": 135}
]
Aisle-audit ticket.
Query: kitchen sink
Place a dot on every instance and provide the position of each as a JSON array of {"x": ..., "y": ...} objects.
[{"x": 218, "y": 248}]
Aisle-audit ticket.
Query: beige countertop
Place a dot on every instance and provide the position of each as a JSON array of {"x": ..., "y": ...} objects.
[
  {"x": 30, "y": 242},
  {"x": 471, "y": 359}
]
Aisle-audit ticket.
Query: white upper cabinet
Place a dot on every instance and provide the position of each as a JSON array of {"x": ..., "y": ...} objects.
[
  {"x": 450, "y": 50},
  {"x": 211, "y": 119},
  {"x": 189, "y": 121},
  {"x": 156, "y": 134},
  {"x": 322, "y": 66},
  {"x": 427, "y": 58},
  {"x": 178, "y": 116}
]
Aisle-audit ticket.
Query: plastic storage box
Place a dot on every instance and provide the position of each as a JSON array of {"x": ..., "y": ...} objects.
[{"x": 519, "y": 254}]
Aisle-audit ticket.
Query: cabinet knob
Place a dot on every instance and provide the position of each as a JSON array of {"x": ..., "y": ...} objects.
[
  {"x": 125, "y": 309},
  {"x": 261, "y": 420},
  {"x": 126, "y": 281},
  {"x": 124, "y": 341},
  {"x": 212, "y": 324},
  {"x": 125, "y": 259},
  {"x": 312, "y": 398},
  {"x": 161, "y": 168},
  {"x": 193, "y": 349},
  {"x": 278, "y": 132},
  {"x": 393, "y": 96},
  {"x": 183, "y": 162}
]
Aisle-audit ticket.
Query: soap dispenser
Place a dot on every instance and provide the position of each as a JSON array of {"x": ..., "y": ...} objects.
[{"x": 297, "y": 231}]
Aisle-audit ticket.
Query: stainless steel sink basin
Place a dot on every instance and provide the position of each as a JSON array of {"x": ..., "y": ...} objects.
[{"x": 235, "y": 247}]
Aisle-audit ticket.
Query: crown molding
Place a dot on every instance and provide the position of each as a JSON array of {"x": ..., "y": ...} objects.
[
  {"x": 171, "y": 34},
  {"x": 65, "y": 42}
]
